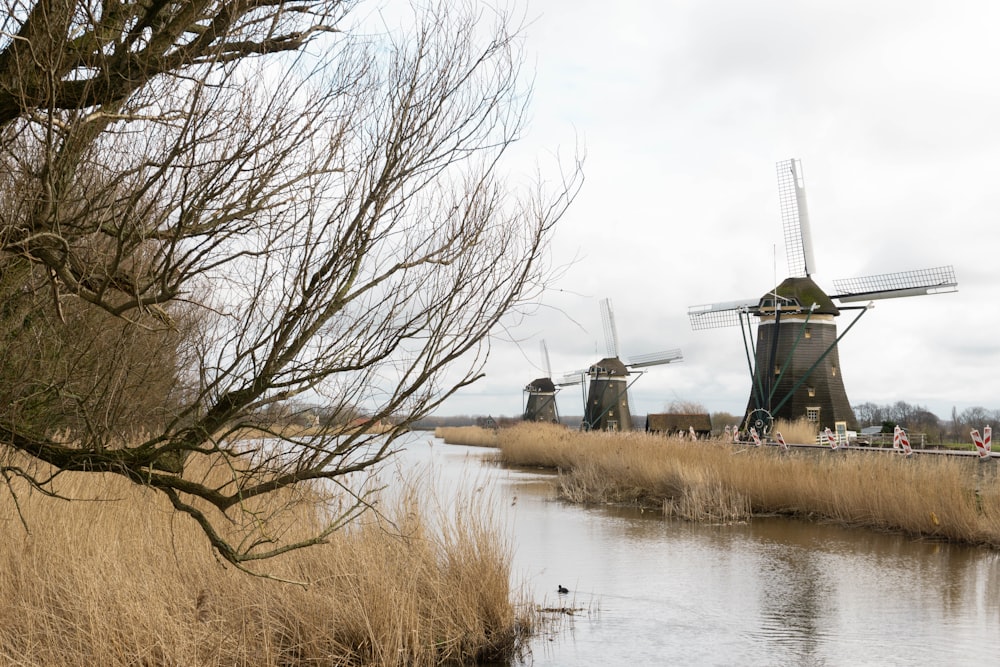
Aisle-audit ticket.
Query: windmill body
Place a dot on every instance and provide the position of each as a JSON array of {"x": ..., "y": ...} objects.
[
  {"x": 540, "y": 405},
  {"x": 797, "y": 357},
  {"x": 795, "y": 362},
  {"x": 606, "y": 404}
]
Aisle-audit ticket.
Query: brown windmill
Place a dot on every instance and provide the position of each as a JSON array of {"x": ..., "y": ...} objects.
[
  {"x": 606, "y": 404},
  {"x": 794, "y": 363}
]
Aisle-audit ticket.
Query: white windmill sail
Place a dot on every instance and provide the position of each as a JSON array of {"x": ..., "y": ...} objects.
[{"x": 795, "y": 219}]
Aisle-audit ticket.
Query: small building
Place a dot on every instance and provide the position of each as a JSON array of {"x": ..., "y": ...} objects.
[{"x": 675, "y": 423}]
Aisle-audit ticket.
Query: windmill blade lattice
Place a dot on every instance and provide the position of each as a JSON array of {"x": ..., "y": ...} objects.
[
  {"x": 655, "y": 358},
  {"x": 718, "y": 315},
  {"x": 938, "y": 280},
  {"x": 569, "y": 379},
  {"x": 610, "y": 330},
  {"x": 545, "y": 360},
  {"x": 795, "y": 218}
]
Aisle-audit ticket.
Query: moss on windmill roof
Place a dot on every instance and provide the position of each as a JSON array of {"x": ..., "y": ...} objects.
[{"x": 805, "y": 293}]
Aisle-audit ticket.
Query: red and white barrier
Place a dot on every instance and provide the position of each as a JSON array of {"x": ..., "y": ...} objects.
[
  {"x": 831, "y": 439},
  {"x": 984, "y": 443},
  {"x": 754, "y": 436},
  {"x": 901, "y": 441},
  {"x": 781, "y": 441}
]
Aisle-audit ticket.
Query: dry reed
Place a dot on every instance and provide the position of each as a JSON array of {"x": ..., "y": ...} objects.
[
  {"x": 116, "y": 578},
  {"x": 800, "y": 431},
  {"x": 472, "y": 436},
  {"x": 926, "y": 496}
]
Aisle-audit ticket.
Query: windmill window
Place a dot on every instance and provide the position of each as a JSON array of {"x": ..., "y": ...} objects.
[
  {"x": 812, "y": 414},
  {"x": 812, "y": 392},
  {"x": 833, "y": 371},
  {"x": 777, "y": 370},
  {"x": 809, "y": 333}
]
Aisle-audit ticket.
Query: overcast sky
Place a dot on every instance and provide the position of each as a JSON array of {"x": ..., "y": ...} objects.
[{"x": 683, "y": 109}]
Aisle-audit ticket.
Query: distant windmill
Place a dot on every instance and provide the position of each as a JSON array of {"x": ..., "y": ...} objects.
[
  {"x": 795, "y": 366},
  {"x": 541, "y": 403},
  {"x": 606, "y": 405}
]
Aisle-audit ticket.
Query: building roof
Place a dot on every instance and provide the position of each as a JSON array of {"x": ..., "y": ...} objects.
[
  {"x": 541, "y": 385},
  {"x": 803, "y": 292},
  {"x": 609, "y": 366},
  {"x": 678, "y": 422}
]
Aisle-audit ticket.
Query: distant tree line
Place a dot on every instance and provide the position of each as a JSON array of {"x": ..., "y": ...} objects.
[{"x": 919, "y": 419}]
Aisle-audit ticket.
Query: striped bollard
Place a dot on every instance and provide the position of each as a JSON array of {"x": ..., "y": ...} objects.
[
  {"x": 983, "y": 443},
  {"x": 756, "y": 438},
  {"x": 781, "y": 441},
  {"x": 736, "y": 433},
  {"x": 895, "y": 438},
  {"x": 729, "y": 433},
  {"x": 830, "y": 438},
  {"x": 904, "y": 442}
]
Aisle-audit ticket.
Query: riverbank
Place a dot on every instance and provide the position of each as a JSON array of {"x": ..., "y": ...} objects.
[
  {"x": 925, "y": 496},
  {"x": 114, "y": 577}
]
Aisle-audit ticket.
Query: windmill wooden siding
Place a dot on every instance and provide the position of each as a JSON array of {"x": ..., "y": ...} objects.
[
  {"x": 791, "y": 351},
  {"x": 541, "y": 403},
  {"x": 607, "y": 397},
  {"x": 674, "y": 423}
]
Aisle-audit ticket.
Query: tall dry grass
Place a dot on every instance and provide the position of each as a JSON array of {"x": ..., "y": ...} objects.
[
  {"x": 116, "y": 578},
  {"x": 801, "y": 431},
  {"x": 927, "y": 496},
  {"x": 473, "y": 436}
]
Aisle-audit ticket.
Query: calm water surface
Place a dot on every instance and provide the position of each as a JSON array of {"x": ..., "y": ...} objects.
[{"x": 647, "y": 591}]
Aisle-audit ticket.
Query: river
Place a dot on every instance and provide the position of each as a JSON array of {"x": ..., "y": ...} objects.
[{"x": 648, "y": 591}]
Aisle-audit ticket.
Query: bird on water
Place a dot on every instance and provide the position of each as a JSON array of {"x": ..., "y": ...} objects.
[{"x": 562, "y": 590}]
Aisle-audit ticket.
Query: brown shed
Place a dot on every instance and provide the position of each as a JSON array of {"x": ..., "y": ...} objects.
[{"x": 672, "y": 424}]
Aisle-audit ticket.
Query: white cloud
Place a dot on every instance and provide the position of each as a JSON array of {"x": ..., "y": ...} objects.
[{"x": 684, "y": 108}]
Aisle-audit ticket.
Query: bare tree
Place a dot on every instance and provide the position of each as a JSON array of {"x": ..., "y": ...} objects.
[
  {"x": 685, "y": 407},
  {"x": 323, "y": 209},
  {"x": 870, "y": 414}
]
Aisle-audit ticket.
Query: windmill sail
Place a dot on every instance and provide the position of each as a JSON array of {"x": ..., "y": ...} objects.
[
  {"x": 606, "y": 402},
  {"x": 723, "y": 314},
  {"x": 795, "y": 366},
  {"x": 545, "y": 360},
  {"x": 795, "y": 219},
  {"x": 938, "y": 280},
  {"x": 541, "y": 395},
  {"x": 654, "y": 358},
  {"x": 610, "y": 330}
]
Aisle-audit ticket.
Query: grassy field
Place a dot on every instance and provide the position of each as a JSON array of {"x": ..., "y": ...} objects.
[
  {"x": 925, "y": 496},
  {"x": 116, "y": 578}
]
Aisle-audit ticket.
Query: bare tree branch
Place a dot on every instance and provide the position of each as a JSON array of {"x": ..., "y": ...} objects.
[{"x": 192, "y": 239}]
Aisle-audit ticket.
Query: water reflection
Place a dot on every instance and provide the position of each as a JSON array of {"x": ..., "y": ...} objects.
[{"x": 772, "y": 591}]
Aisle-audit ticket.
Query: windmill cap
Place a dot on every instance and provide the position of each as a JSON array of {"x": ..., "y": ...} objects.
[
  {"x": 804, "y": 293},
  {"x": 609, "y": 366},
  {"x": 541, "y": 384}
]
